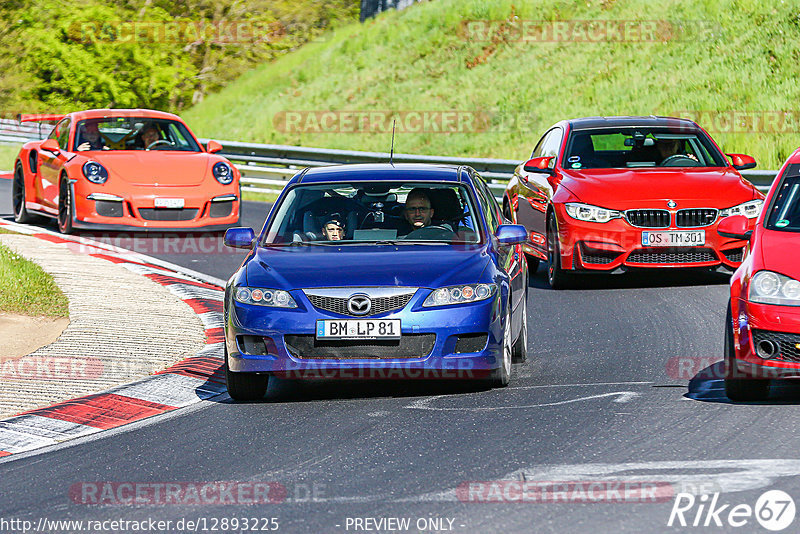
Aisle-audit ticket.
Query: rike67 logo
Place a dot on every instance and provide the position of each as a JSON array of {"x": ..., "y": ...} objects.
[{"x": 774, "y": 510}]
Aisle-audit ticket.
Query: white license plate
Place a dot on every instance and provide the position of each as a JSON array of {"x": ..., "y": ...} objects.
[
  {"x": 358, "y": 329},
  {"x": 693, "y": 238},
  {"x": 169, "y": 202}
]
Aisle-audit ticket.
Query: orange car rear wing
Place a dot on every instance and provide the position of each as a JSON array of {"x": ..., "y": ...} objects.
[{"x": 39, "y": 117}]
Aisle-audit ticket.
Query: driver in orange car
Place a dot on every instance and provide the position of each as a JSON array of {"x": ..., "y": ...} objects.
[
  {"x": 149, "y": 135},
  {"x": 90, "y": 135}
]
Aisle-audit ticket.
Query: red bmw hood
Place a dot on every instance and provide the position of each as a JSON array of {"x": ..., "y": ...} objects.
[
  {"x": 780, "y": 252},
  {"x": 155, "y": 167},
  {"x": 651, "y": 188}
]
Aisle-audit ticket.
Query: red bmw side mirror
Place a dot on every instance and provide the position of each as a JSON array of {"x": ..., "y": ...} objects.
[
  {"x": 742, "y": 162},
  {"x": 735, "y": 227},
  {"x": 539, "y": 165}
]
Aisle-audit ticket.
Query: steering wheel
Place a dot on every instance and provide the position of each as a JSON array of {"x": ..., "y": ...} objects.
[
  {"x": 159, "y": 142},
  {"x": 431, "y": 233},
  {"x": 680, "y": 160}
]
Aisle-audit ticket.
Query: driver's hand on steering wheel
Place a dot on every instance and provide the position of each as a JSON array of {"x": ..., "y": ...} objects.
[{"x": 88, "y": 146}]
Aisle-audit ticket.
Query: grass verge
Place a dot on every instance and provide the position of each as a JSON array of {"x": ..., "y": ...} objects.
[
  {"x": 26, "y": 289},
  {"x": 724, "y": 57},
  {"x": 259, "y": 197},
  {"x": 8, "y": 153}
]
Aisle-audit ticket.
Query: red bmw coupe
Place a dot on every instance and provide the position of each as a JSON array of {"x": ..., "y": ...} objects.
[
  {"x": 606, "y": 194},
  {"x": 762, "y": 334}
]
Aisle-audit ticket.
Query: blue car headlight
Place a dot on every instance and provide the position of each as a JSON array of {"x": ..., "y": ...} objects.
[
  {"x": 222, "y": 172},
  {"x": 460, "y": 294},
  {"x": 94, "y": 172},
  {"x": 276, "y": 298}
]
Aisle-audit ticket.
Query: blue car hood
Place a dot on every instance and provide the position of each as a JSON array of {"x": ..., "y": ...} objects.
[{"x": 405, "y": 265}]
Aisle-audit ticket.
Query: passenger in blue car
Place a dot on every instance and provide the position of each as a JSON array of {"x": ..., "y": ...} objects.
[{"x": 334, "y": 229}]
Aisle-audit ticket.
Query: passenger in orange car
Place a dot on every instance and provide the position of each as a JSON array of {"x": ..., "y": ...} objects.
[{"x": 90, "y": 136}]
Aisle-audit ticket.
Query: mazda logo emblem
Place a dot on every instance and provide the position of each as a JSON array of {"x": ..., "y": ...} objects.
[
  {"x": 672, "y": 204},
  {"x": 359, "y": 304}
]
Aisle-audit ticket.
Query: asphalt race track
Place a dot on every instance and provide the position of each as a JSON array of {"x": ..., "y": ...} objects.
[{"x": 605, "y": 395}]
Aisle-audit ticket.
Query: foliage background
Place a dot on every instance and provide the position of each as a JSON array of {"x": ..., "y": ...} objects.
[{"x": 61, "y": 56}]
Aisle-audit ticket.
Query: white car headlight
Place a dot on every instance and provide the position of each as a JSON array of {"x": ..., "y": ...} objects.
[
  {"x": 459, "y": 294},
  {"x": 768, "y": 287},
  {"x": 276, "y": 298},
  {"x": 589, "y": 213},
  {"x": 749, "y": 209}
]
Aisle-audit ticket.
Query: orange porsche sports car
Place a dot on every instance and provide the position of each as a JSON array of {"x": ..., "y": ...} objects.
[{"x": 124, "y": 169}]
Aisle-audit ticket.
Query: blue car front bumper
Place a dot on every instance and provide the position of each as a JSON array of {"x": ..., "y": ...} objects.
[{"x": 442, "y": 342}]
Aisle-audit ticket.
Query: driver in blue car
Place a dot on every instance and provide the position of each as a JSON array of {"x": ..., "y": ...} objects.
[{"x": 418, "y": 211}]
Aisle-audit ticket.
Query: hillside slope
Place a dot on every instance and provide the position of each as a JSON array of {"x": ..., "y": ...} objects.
[{"x": 732, "y": 60}]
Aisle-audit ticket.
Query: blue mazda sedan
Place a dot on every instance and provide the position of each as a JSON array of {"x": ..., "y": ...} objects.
[{"x": 377, "y": 271}]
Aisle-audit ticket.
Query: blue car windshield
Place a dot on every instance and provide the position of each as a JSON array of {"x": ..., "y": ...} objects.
[{"x": 375, "y": 212}]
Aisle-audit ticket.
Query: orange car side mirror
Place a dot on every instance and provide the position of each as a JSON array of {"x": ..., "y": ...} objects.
[
  {"x": 51, "y": 145},
  {"x": 213, "y": 147}
]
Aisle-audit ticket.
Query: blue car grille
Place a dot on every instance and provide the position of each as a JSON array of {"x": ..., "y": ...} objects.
[
  {"x": 379, "y": 305},
  {"x": 307, "y": 346}
]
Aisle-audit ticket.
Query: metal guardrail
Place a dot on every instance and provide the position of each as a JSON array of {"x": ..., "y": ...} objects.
[
  {"x": 14, "y": 132},
  {"x": 267, "y": 168}
]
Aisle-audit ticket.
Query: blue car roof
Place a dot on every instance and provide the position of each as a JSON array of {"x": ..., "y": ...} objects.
[{"x": 384, "y": 171}]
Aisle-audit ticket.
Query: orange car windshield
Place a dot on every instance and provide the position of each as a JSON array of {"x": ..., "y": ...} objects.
[{"x": 133, "y": 133}]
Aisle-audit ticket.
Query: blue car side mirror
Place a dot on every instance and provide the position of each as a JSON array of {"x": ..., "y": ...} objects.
[
  {"x": 511, "y": 234},
  {"x": 240, "y": 238}
]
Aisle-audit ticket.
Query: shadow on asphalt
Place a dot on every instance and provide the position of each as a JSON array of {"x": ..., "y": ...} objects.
[
  {"x": 708, "y": 385},
  {"x": 635, "y": 279},
  {"x": 294, "y": 391}
]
